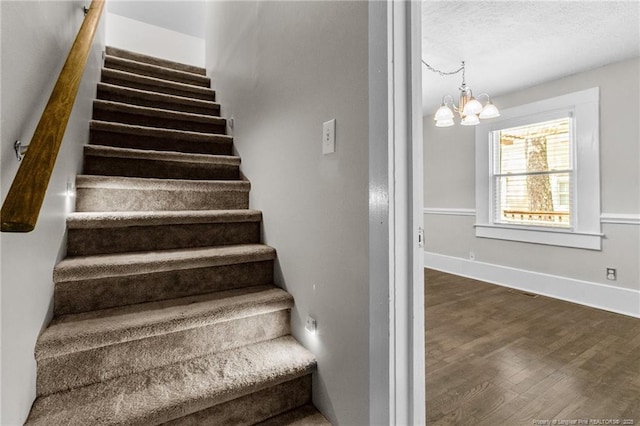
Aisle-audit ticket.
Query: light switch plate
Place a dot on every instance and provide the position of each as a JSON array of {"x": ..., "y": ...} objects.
[{"x": 329, "y": 137}]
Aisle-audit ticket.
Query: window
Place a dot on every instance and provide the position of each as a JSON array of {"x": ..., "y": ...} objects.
[
  {"x": 533, "y": 173},
  {"x": 537, "y": 173}
]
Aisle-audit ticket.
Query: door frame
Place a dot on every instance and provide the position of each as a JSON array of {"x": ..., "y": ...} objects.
[{"x": 396, "y": 257}]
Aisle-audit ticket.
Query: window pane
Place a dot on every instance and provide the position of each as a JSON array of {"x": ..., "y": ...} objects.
[
  {"x": 533, "y": 186},
  {"x": 537, "y": 147},
  {"x": 517, "y": 206}
]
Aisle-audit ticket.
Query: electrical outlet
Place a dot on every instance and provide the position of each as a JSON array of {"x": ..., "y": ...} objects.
[
  {"x": 311, "y": 325},
  {"x": 70, "y": 188},
  {"x": 329, "y": 137},
  {"x": 611, "y": 274},
  {"x": 472, "y": 255}
]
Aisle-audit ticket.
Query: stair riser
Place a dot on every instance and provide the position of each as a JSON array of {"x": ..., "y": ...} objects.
[
  {"x": 158, "y": 87},
  {"x": 154, "y": 102},
  {"x": 158, "y": 143},
  {"x": 120, "y": 53},
  {"x": 84, "y": 368},
  {"x": 86, "y": 242},
  {"x": 118, "y": 199},
  {"x": 252, "y": 408},
  {"x": 160, "y": 122},
  {"x": 146, "y": 168},
  {"x": 151, "y": 71},
  {"x": 92, "y": 294}
]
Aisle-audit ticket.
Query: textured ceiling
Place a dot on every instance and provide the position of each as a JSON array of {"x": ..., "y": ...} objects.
[{"x": 514, "y": 44}]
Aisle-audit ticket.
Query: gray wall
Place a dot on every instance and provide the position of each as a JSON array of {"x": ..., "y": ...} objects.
[
  {"x": 280, "y": 70},
  {"x": 35, "y": 37},
  {"x": 186, "y": 16},
  {"x": 450, "y": 183}
]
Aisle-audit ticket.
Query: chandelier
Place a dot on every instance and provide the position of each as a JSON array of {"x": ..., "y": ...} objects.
[{"x": 469, "y": 108}]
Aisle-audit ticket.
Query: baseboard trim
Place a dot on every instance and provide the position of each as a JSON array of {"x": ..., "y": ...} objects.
[{"x": 601, "y": 296}]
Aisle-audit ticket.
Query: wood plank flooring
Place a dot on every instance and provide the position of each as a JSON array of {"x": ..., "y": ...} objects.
[{"x": 496, "y": 356}]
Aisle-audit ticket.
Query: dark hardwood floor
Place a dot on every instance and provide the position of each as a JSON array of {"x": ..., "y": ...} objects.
[{"x": 496, "y": 356}]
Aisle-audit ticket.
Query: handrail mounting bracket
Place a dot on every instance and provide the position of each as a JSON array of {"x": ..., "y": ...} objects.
[{"x": 20, "y": 149}]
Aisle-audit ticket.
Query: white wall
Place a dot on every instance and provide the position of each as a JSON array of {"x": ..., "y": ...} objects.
[
  {"x": 281, "y": 69},
  {"x": 35, "y": 40},
  {"x": 183, "y": 16},
  {"x": 450, "y": 187},
  {"x": 140, "y": 37},
  {"x": 172, "y": 30}
]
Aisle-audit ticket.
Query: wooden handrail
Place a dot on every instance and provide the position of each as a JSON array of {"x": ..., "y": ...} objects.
[{"x": 22, "y": 206}]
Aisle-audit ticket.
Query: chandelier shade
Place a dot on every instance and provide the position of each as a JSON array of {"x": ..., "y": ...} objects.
[
  {"x": 470, "y": 120},
  {"x": 445, "y": 123},
  {"x": 443, "y": 113},
  {"x": 472, "y": 107},
  {"x": 489, "y": 111}
]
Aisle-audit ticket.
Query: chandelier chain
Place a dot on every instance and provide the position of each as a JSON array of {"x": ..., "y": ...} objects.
[{"x": 443, "y": 73}]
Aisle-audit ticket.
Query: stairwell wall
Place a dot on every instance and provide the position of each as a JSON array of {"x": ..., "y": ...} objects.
[
  {"x": 35, "y": 39},
  {"x": 140, "y": 37},
  {"x": 281, "y": 69},
  {"x": 172, "y": 30}
]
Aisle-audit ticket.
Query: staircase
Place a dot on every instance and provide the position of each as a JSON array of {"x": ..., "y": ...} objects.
[{"x": 165, "y": 311}]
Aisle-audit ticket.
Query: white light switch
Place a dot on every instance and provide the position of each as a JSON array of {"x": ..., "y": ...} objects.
[{"x": 329, "y": 137}]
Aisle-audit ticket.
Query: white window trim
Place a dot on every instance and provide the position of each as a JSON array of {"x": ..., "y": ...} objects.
[{"x": 585, "y": 232}]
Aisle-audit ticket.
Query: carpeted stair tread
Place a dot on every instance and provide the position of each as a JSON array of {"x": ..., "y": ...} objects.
[
  {"x": 79, "y": 332},
  {"x": 125, "y": 264},
  {"x": 143, "y": 68},
  {"x": 111, "y": 92},
  {"x": 88, "y": 181},
  {"x": 307, "y": 415},
  {"x": 94, "y": 233},
  {"x": 84, "y": 220},
  {"x": 253, "y": 408},
  {"x": 139, "y": 57},
  {"x": 142, "y": 163},
  {"x": 81, "y": 349},
  {"x": 152, "y": 84},
  {"x": 116, "y": 193},
  {"x": 155, "y": 117},
  {"x": 146, "y": 154},
  {"x": 173, "y": 391},
  {"x": 144, "y": 137}
]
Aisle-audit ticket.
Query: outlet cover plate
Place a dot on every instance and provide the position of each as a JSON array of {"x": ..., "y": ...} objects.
[{"x": 311, "y": 325}]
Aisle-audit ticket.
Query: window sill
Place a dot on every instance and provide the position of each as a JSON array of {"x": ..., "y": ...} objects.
[{"x": 552, "y": 237}]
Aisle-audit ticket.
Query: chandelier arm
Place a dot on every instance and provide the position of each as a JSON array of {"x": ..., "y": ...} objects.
[
  {"x": 449, "y": 101},
  {"x": 446, "y": 99}
]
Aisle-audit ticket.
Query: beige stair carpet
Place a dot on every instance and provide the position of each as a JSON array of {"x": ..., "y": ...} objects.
[{"x": 165, "y": 311}]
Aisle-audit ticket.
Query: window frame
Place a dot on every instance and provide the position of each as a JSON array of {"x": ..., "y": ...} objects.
[
  {"x": 494, "y": 191},
  {"x": 585, "y": 230}
]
